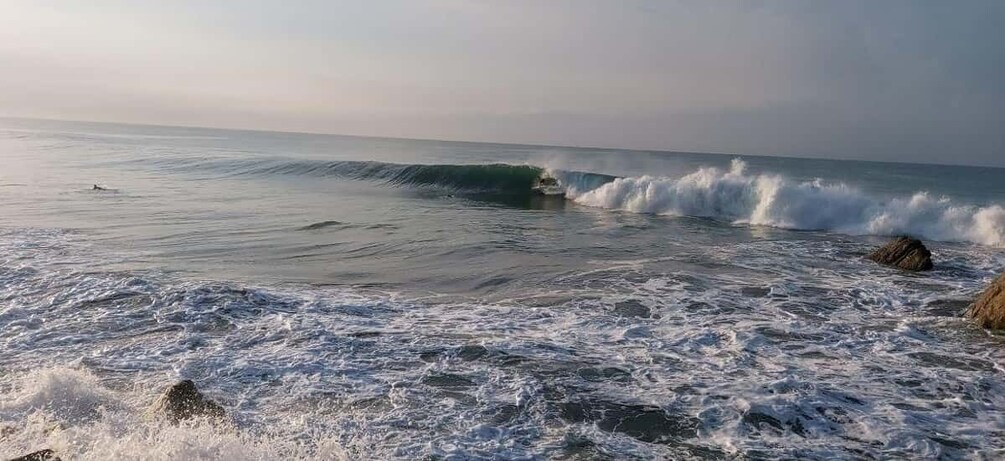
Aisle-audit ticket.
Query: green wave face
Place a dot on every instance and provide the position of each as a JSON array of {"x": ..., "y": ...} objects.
[
  {"x": 467, "y": 178},
  {"x": 497, "y": 182},
  {"x": 496, "y": 178}
]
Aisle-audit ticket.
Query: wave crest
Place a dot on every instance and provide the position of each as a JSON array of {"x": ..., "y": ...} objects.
[{"x": 773, "y": 200}]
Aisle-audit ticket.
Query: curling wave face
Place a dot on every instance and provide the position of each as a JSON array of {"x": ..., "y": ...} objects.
[{"x": 500, "y": 178}]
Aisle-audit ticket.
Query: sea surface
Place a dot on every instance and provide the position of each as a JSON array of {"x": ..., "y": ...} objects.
[{"x": 366, "y": 298}]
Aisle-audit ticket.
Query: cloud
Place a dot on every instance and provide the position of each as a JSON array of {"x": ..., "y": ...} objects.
[{"x": 894, "y": 80}]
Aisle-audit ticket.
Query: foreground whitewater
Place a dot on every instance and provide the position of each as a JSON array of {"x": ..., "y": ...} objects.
[{"x": 348, "y": 298}]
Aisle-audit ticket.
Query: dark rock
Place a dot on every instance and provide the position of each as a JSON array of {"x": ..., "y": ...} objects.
[
  {"x": 906, "y": 253},
  {"x": 989, "y": 309},
  {"x": 183, "y": 401},
  {"x": 41, "y": 455}
]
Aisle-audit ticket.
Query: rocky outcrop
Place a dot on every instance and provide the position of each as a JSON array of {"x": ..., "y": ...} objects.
[
  {"x": 183, "y": 401},
  {"x": 989, "y": 309},
  {"x": 904, "y": 252},
  {"x": 41, "y": 455}
]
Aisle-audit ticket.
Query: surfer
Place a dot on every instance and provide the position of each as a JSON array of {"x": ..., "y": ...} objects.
[
  {"x": 97, "y": 187},
  {"x": 548, "y": 187}
]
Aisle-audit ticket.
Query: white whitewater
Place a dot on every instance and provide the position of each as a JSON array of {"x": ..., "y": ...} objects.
[{"x": 773, "y": 200}]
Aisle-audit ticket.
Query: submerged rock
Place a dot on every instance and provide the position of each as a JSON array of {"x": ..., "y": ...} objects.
[
  {"x": 904, "y": 252},
  {"x": 183, "y": 401},
  {"x": 41, "y": 455},
  {"x": 989, "y": 309}
]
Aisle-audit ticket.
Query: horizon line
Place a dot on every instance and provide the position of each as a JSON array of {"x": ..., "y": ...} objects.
[{"x": 461, "y": 141}]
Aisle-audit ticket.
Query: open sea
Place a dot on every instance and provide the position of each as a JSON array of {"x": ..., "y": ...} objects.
[{"x": 365, "y": 298}]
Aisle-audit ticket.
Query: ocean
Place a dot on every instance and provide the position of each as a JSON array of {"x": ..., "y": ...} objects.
[{"x": 367, "y": 298}]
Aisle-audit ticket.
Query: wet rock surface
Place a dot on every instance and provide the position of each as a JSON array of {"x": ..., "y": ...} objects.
[
  {"x": 989, "y": 308},
  {"x": 905, "y": 253},
  {"x": 183, "y": 401}
]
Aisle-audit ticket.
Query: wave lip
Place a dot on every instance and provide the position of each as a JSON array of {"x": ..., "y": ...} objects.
[{"x": 773, "y": 200}]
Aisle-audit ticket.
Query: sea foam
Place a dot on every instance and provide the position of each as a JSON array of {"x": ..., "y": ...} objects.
[
  {"x": 68, "y": 410},
  {"x": 773, "y": 200}
]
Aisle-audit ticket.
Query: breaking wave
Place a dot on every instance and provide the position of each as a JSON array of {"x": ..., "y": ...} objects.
[
  {"x": 732, "y": 195},
  {"x": 773, "y": 200},
  {"x": 497, "y": 178}
]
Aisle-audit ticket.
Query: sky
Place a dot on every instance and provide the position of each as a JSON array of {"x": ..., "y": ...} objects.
[{"x": 891, "y": 80}]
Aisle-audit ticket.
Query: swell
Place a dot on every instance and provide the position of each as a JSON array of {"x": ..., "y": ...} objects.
[{"x": 773, "y": 200}]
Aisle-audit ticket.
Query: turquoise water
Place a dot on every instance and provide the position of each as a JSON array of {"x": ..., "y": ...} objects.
[{"x": 361, "y": 297}]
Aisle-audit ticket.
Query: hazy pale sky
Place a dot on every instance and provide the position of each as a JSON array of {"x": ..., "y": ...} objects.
[{"x": 920, "y": 81}]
